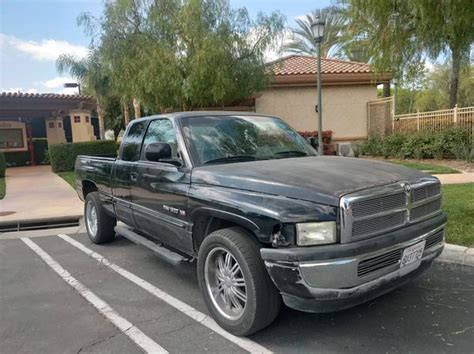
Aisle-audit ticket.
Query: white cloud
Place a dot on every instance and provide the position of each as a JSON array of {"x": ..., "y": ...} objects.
[
  {"x": 57, "y": 82},
  {"x": 45, "y": 50}
]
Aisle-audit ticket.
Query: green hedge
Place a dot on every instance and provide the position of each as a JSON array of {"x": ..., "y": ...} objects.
[
  {"x": 3, "y": 164},
  {"x": 22, "y": 158},
  {"x": 451, "y": 143},
  {"x": 63, "y": 156}
]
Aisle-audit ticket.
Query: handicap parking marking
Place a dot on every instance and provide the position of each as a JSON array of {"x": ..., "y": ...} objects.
[
  {"x": 129, "y": 329},
  {"x": 184, "y": 308}
]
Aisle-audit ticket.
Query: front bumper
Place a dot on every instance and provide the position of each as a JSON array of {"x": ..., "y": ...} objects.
[{"x": 325, "y": 282}]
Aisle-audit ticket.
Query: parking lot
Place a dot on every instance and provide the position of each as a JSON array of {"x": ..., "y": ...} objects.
[{"x": 64, "y": 294}]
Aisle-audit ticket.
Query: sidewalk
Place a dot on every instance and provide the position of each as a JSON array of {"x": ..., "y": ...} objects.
[
  {"x": 36, "y": 193},
  {"x": 456, "y": 178}
]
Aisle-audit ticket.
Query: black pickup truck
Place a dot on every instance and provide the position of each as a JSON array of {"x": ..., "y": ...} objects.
[{"x": 265, "y": 217}]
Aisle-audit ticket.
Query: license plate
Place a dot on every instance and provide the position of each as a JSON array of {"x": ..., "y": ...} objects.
[{"x": 412, "y": 254}]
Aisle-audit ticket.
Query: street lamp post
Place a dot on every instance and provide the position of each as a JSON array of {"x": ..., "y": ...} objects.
[
  {"x": 317, "y": 28},
  {"x": 73, "y": 85}
]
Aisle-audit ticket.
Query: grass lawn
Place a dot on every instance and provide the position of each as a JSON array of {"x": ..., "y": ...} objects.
[
  {"x": 426, "y": 167},
  {"x": 69, "y": 178},
  {"x": 3, "y": 187},
  {"x": 458, "y": 203}
]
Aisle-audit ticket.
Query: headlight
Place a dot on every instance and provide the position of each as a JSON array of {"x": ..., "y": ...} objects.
[{"x": 316, "y": 233}]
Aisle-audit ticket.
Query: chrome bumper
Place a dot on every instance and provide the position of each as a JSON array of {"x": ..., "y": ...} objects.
[
  {"x": 335, "y": 284},
  {"x": 343, "y": 273}
]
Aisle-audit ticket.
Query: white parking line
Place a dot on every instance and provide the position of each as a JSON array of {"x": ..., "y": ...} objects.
[
  {"x": 188, "y": 310},
  {"x": 137, "y": 336}
]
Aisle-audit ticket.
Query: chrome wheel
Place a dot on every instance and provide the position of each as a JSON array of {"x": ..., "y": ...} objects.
[
  {"x": 225, "y": 283},
  {"x": 91, "y": 218}
]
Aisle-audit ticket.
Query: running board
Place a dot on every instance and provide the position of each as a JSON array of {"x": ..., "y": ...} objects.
[{"x": 162, "y": 252}]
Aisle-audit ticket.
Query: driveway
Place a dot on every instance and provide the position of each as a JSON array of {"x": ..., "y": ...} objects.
[
  {"x": 64, "y": 294},
  {"x": 36, "y": 193}
]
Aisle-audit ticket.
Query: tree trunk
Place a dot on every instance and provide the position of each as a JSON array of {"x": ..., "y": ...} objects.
[
  {"x": 126, "y": 114},
  {"x": 100, "y": 116},
  {"x": 136, "y": 108},
  {"x": 386, "y": 89},
  {"x": 454, "y": 80}
]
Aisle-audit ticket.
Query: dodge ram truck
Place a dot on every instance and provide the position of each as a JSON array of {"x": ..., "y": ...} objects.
[{"x": 266, "y": 219}]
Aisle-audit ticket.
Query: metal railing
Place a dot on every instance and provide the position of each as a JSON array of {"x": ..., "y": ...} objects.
[{"x": 435, "y": 121}]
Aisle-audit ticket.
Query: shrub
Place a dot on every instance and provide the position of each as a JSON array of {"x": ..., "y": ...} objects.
[
  {"x": 450, "y": 143},
  {"x": 63, "y": 156},
  {"x": 372, "y": 146},
  {"x": 41, "y": 147},
  {"x": 328, "y": 146},
  {"x": 3, "y": 164},
  {"x": 17, "y": 158}
]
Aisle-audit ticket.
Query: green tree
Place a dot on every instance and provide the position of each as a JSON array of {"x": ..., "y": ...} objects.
[
  {"x": 92, "y": 76},
  {"x": 184, "y": 54},
  {"x": 401, "y": 34}
]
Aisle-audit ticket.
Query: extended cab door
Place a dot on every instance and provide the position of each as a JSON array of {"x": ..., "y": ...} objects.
[
  {"x": 160, "y": 194},
  {"x": 124, "y": 175}
]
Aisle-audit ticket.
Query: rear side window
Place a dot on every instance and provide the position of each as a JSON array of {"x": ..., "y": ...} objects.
[{"x": 131, "y": 143}]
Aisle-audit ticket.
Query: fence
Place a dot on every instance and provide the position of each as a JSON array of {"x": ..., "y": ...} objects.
[{"x": 436, "y": 121}]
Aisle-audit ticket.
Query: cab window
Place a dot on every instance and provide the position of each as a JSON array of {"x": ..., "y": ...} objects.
[{"x": 161, "y": 131}]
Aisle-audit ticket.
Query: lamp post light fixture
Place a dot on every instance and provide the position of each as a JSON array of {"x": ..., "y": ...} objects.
[
  {"x": 317, "y": 29},
  {"x": 73, "y": 85}
]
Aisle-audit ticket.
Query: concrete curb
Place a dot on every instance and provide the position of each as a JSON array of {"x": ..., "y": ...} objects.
[{"x": 457, "y": 254}]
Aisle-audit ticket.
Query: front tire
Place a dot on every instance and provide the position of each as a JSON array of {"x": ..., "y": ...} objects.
[
  {"x": 234, "y": 282},
  {"x": 99, "y": 225}
]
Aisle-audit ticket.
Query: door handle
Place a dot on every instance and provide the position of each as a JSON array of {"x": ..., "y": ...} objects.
[{"x": 133, "y": 177}]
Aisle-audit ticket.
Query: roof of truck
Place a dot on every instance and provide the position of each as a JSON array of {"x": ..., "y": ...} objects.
[{"x": 190, "y": 114}]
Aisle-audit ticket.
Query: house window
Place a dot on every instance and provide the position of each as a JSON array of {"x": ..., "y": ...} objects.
[
  {"x": 51, "y": 125},
  {"x": 77, "y": 119},
  {"x": 60, "y": 125},
  {"x": 87, "y": 119},
  {"x": 11, "y": 139}
]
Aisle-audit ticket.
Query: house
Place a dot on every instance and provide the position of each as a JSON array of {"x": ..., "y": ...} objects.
[
  {"x": 347, "y": 87},
  {"x": 57, "y": 118}
]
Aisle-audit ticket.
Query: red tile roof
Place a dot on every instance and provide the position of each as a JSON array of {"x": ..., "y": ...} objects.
[
  {"x": 45, "y": 95},
  {"x": 307, "y": 65}
]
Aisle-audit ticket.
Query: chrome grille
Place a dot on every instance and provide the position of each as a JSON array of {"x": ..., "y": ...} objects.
[
  {"x": 380, "y": 204},
  {"x": 368, "y": 226},
  {"x": 427, "y": 209},
  {"x": 374, "y": 211},
  {"x": 424, "y": 192}
]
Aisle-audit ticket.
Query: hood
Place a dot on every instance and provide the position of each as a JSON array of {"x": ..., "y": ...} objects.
[{"x": 319, "y": 179}]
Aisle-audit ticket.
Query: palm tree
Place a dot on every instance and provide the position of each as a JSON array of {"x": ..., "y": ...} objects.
[
  {"x": 91, "y": 75},
  {"x": 302, "y": 40}
]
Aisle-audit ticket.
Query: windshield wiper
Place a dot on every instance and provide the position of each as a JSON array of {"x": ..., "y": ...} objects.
[
  {"x": 235, "y": 158},
  {"x": 291, "y": 153}
]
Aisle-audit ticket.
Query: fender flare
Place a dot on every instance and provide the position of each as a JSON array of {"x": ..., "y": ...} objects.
[{"x": 225, "y": 215}]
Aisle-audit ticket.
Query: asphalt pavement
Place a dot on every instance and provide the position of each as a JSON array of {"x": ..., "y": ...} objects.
[{"x": 57, "y": 296}]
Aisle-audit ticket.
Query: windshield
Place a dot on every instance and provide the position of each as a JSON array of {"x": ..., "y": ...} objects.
[{"x": 230, "y": 139}]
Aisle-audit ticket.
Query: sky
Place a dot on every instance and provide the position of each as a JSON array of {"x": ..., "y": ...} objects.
[{"x": 33, "y": 33}]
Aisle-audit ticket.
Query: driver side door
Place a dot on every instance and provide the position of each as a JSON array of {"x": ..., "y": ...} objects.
[{"x": 160, "y": 194}]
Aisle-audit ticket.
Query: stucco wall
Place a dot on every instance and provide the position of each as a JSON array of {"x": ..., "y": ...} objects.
[{"x": 344, "y": 108}]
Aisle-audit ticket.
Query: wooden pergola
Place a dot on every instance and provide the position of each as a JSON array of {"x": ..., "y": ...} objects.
[{"x": 24, "y": 108}]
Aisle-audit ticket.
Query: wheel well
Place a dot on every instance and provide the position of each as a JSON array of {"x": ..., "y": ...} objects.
[
  {"x": 87, "y": 187},
  {"x": 206, "y": 224}
]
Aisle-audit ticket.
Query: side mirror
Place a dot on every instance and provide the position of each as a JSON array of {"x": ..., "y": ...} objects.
[{"x": 158, "y": 151}]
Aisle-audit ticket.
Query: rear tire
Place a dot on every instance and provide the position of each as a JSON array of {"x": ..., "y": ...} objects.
[
  {"x": 100, "y": 226},
  {"x": 247, "y": 302}
]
